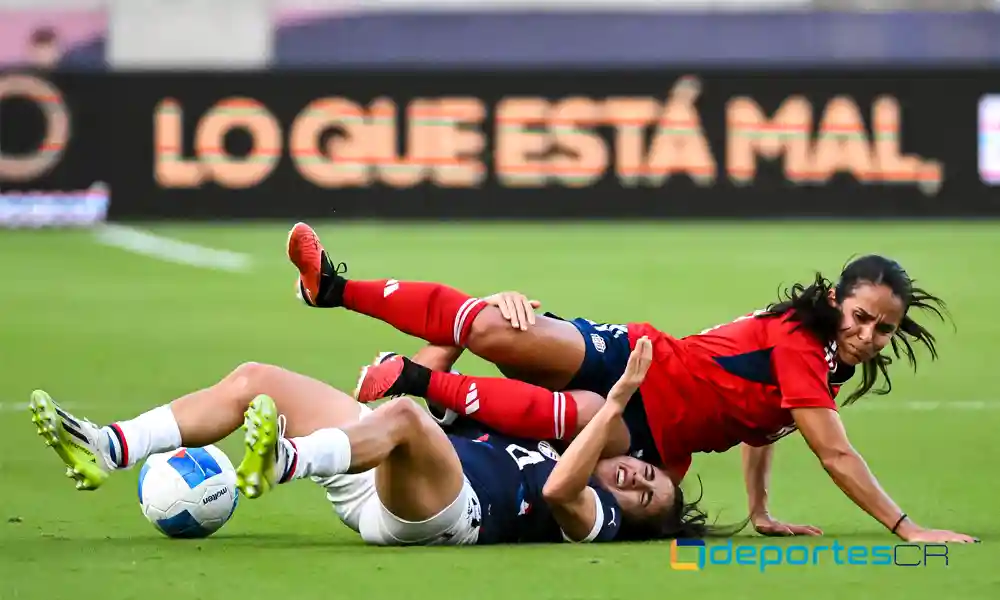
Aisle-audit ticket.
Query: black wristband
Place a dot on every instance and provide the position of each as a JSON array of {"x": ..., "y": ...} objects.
[{"x": 902, "y": 518}]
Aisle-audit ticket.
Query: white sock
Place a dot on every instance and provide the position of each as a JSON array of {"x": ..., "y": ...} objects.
[
  {"x": 322, "y": 453},
  {"x": 151, "y": 432}
]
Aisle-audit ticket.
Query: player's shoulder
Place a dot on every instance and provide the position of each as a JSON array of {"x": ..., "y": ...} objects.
[
  {"x": 787, "y": 331},
  {"x": 793, "y": 343}
]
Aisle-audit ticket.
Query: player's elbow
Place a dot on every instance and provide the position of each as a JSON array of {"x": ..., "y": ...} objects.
[{"x": 836, "y": 458}]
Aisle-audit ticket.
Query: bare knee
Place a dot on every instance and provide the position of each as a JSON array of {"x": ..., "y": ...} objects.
[
  {"x": 404, "y": 418},
  {"x": 403, "y": 408},
  {"x": 247, "y": 372},
  {"x": 247, "y": 380}
]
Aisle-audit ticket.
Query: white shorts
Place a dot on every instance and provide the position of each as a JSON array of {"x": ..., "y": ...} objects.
[{"x": 356, "y": 502}]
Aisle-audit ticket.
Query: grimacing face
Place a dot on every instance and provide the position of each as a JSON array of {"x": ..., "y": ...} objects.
[
  {"x": 870, "y": 316},
  {"x": 642, "y": 490}
]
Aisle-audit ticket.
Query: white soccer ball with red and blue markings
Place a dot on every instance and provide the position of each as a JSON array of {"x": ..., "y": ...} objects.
[{"x": 188, "y": 493}]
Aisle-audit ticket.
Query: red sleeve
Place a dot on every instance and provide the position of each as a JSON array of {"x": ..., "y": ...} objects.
[{"x": 802, "y": 377}]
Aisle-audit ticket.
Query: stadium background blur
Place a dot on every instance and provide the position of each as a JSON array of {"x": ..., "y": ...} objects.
[{"x": 182, "y": 282}]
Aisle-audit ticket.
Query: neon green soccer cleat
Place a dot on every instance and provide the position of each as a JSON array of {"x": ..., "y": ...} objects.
[
  {"x": 259, "y": 472},
  {"x": 76, "y": 441}
]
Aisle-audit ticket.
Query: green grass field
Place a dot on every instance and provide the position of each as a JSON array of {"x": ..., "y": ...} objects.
[{"x": 111, "y": 333}]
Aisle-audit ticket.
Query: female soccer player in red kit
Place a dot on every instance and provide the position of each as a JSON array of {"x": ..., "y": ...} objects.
[{"x": 751, "y": 381}]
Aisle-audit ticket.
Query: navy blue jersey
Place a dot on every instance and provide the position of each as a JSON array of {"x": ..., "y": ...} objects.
[
  {"x": 508, "y": 474},
  {"x": 607, "y": 351}
]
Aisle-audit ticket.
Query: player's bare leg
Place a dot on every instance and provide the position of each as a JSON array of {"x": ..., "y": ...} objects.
[
  {"x": 290, "y": 422},
  {"x": 549, "y": 353},
  {"x": 419, "y": 473},
  {"x": 91, "y": 452},
  {"x": 208, "y": 415},
  {"x": 314, "y": 414}
]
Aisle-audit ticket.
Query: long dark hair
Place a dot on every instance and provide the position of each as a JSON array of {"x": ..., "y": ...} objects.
[
  {"x": 810, "y": 307},
  {"x": 683, "y": 520}
]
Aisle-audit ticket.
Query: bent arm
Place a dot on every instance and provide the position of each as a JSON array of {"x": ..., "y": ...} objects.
[
  {"x": 572, "y": 502},
  {"x": 825, "y": 434},
  {"x": 577, "y": 508}
]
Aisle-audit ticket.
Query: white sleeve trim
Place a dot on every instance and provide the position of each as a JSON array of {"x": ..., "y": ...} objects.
[{"x": 598, "y": 519}]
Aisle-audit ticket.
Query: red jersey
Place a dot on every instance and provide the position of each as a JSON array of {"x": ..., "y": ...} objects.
[{"x": 733, "y": 383}]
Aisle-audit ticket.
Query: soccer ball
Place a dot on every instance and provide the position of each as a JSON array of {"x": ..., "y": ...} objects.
[{"x": 188, "y": 493}]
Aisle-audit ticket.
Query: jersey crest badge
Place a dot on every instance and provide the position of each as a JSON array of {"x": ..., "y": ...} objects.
[{"x": 548, "y": 451}]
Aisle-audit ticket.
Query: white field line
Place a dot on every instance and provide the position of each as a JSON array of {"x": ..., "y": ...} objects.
[
  {"x": 887, "y": 405},
  {"x": 171, "y": 250}
]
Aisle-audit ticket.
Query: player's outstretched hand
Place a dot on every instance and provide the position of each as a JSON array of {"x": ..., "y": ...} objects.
[
  {"x": 938, "y": 536},
  {"x": 635, "y": 373},
  {"x": 770, "y": 527},
  {"x": 515, "y": 307}
]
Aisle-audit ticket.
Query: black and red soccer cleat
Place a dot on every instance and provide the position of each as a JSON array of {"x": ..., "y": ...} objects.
[
  {"x": 382, "y": 380},
  {"x": 320, "y": 282},
  {"x": 378, "y": 380},
  {"x": 391, "y": 375}
]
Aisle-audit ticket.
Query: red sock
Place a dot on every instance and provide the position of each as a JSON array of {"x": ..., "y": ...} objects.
[
  {"x": 511, "y": 407},
  {"x": 436, "y": 313}
]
